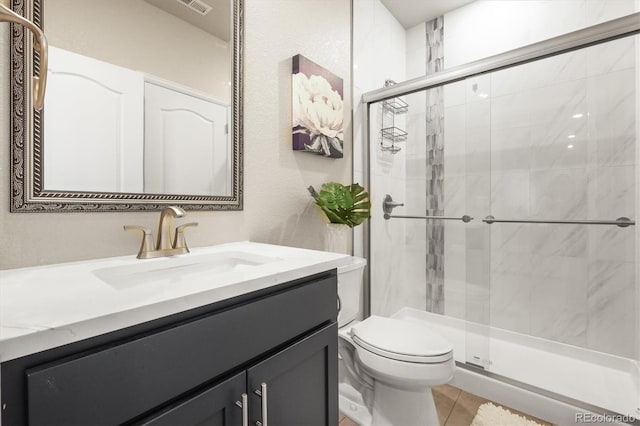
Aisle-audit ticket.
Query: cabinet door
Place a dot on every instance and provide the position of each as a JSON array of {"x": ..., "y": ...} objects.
[
  {"x": 215, "y": 406},
  {"x": 299, "y": 385}
]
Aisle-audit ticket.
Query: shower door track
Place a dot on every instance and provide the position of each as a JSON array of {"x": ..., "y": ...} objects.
[
  {"x": 597, "y": 34},
  {"x": 542, "y": 392}
]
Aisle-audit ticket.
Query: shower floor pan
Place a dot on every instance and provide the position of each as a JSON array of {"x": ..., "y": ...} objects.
[{"x": 592, "y": 379}]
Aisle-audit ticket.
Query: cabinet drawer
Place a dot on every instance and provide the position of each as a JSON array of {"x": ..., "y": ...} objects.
[{"x": 118, "y": 383}]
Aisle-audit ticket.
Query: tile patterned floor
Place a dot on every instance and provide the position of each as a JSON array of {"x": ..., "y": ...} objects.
[
  {"x": 455, "y": 407},
  {"x": 345, "y": 421}
]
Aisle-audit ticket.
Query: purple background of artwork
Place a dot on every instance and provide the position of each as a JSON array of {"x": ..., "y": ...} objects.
[
  {"x": 300, "y": 140},
  {"x": 309, "y": 68}
]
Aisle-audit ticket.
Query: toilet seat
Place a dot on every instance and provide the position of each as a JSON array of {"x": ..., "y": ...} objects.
[{"x": 401, "y": 340}]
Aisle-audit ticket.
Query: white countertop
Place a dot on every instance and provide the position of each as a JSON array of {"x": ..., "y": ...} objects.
[{"x": 48, "y": 306}]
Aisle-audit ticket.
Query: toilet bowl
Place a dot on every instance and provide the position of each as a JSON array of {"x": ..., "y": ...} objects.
[{"x": 391, "y": 363}]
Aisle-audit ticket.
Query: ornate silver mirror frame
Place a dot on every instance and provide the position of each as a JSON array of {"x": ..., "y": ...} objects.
[{"x": 26, "y": 180}]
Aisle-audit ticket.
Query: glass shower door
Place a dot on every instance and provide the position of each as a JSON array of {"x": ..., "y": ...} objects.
[
  {"x": 466, "y": 190},
  {"x": 563, "y": 159},
  {"x": 400, "y": 276},
  {"x": 429, "y": 248}
]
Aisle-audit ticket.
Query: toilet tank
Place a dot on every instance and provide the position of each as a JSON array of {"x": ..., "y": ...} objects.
[{"x": 350, "y": 277}]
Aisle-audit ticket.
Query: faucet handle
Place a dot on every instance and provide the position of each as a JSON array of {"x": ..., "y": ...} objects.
[
  {"x": 179, "y": 242},
  {"x": 147, "y": 245}
]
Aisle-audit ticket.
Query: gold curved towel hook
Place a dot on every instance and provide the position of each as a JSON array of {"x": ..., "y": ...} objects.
[{"x": 39, "y": 83}]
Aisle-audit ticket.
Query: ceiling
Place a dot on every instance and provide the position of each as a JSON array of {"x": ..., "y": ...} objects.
[
  {"x": 412, "y": 12},
  {"x": 217, "y": 22}
]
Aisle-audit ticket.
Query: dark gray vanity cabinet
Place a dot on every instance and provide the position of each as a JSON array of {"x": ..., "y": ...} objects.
[
  {"x": 278, "y": 347},
  {"x": 294, "y": 384}
]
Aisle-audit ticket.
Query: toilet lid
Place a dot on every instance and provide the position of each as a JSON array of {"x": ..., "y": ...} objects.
[{"x": 401, "y": 340}]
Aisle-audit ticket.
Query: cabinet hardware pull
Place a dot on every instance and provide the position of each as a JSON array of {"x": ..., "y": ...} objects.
[
  {"x": 262, "y": 392},
  {"x": 245, "y": 409}
]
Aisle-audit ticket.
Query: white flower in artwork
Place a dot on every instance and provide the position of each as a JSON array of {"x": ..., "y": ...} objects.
[{"x": 318, "y": 109}]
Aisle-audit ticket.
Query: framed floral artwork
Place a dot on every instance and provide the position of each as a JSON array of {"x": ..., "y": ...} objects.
[{"x": 318, "y": 111}]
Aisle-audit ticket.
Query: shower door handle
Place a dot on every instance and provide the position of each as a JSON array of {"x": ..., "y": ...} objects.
[
  {"x": 466, "y": 218},
  {"x": 622, "y": 222},
  {"x": 388, "y": 204},
  {"x": 392, "y": 205}
]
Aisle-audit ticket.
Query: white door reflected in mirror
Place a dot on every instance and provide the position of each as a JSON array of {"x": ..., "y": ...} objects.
[
  {"x": 98, "y": 147},
  {"x": 186, "y": 148}
]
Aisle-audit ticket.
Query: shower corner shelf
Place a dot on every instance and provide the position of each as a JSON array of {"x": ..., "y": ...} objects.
[
  {"x": 395, "y": 106},
  {"x": 389, "y": 133},
  {"x": 393, "y": 134},
  {"x": 390, "y": 148}
]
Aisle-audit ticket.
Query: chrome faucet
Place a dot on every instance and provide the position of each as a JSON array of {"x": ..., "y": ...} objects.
[{"x": 170, "y": 240}]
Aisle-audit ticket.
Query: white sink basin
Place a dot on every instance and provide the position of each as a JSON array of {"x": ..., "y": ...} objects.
[{"x": 180, "y": 268}]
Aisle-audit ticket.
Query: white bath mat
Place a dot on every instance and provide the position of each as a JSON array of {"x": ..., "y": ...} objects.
[{"x": 491, "y": 415}]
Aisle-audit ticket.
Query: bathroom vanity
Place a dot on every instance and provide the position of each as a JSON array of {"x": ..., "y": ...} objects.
[{"x": 235, "y": 334}]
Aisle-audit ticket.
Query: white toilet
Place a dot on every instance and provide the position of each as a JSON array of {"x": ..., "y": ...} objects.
[{"x": 387, "y": 365}]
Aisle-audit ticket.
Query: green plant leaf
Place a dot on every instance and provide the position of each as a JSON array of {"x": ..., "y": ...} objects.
[{"x": 348, "y": 205}]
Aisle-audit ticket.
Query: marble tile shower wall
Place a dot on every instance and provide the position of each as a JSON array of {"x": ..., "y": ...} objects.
[
  {"x": 397, "y": 264},
  {"x": 383, "y": 49},
  {"x": 388, "y": 237},
  {"x": 434, "y": 149},
  {"x": 554, "y": 139}
]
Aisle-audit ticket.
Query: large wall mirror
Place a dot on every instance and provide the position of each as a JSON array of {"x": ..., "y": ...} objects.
[{"x": 143, "y": 106}]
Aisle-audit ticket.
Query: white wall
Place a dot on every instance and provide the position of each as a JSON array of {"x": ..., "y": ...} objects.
[
  {"x": 277, "y": 209},
  {"x": 376, "y": 34},
  {"x": 415, "y": 182},
  {"x": 488, "y": 27},
  {"x": 398, "y": 262},
  {"x": 123, "y": 32}
]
